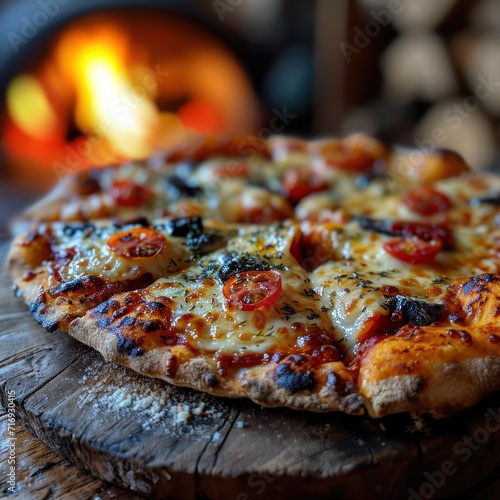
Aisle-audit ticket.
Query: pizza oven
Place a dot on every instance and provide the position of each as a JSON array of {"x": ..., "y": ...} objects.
[
  {"x": 92, "y": 84},
  {"x": 99, "y": 82}
]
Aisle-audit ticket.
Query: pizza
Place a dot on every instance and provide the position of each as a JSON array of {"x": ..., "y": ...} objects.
[{"x": 325, "y": 275}]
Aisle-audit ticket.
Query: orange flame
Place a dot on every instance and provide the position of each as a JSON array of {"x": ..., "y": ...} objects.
[
  {"x": 106, "y": 103},
  {"x": 101, "y": 74}
]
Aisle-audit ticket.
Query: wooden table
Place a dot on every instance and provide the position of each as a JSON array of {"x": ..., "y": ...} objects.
[{"x": 152, "y": 439}]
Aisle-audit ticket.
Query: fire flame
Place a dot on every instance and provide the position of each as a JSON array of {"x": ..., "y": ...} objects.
[
  {"x": 29, "y": 107},
  {"x": 95, "y": 98},
  {"x": 106, "y": 103}
]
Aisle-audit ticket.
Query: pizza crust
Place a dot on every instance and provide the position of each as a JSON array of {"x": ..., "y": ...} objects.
[
  {"x": 198, "y": 373},
  {"x": 36, "y": 286},
  {"x": 47, "y": 208},
  {"x": 430, "y": 370},
  {"x": 54, "y": 301},
  {"x": 30, "y": 279},
  {"x": 413, "y": 166},
  {"x": 454, "y": 387}
]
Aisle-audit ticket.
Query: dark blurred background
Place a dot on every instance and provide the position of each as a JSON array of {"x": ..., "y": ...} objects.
[{"x": 101, "y": 81}]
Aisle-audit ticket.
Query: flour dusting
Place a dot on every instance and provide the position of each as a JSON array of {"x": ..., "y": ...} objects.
[{"x": 149, "y": 402}]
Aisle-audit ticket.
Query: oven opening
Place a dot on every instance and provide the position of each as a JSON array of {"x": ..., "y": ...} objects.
[{"x": 114, "y": 86}]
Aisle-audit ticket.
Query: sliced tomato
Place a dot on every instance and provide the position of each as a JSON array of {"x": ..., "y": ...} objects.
[
  {"x": 250, "y": 290},
  {"x": 264, "y": 215},
  {"x": 300, "y": 182},
  {"x": 129, "y": 194},
  {"x": 413, "y": 250},
  {"x": 232, "y": 169},
  {"x": 424, "y": 231},
  {"x": 346, "y": 155},
  {"x": 425, "y": 200},
  {"x": 137, "y": 243},
  {"x": 358, "y": 161}
]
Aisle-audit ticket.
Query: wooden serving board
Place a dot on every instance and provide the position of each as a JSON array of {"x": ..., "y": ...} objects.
[{"x": 166, "y": 442}]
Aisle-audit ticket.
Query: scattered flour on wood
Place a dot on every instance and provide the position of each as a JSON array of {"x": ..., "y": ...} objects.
[{"x": 152, "y": 402}]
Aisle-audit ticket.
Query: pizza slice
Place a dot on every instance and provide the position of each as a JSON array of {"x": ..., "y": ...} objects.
[
  {"x": 440, "y": 367},
  {"x": 63, "y": 269},
  {"x": 242, "y": 322},
  {"x": 388, "y": 287}
]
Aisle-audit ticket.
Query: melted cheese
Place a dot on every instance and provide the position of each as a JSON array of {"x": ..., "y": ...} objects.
[
  {"x": 198, "y": 295},
  {"x": 94, "y": 256},
  {"x": 352, "y": 268},
  {"x": 352, "y": 284}
]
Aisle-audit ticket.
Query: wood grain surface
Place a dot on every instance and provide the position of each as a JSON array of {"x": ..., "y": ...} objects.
[
  {"x": 154, "y": 440},
  {"x": 42, "y": 473}
]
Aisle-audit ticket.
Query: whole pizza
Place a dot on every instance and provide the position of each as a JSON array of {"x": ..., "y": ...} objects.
[{"x": 327, "y": 275}]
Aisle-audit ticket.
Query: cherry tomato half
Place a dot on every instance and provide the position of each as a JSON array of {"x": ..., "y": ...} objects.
[
  {"x": 424, "y": 231},
  {"x": 232, "y": 169},
  {"x": 129, "y": 194},
  {"x": 250, "y": 290},
  {"x": 413, "y": 250},
  {"x": 137, "y": 243},
  {"x": 300, "y": 182},
  {"x": 425, "y": 200},
  {"x": 355, "y": 153},
  {"x": 358, "y": 161}
]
